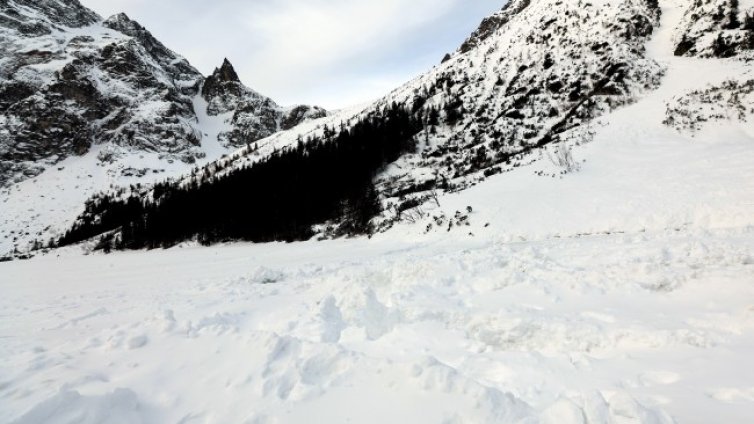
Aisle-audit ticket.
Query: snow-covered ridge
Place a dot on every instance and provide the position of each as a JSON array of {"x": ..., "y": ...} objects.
[
  {"x": 716, "y": 100},
  {"x": 532, "y": 88},
  {"x": 492, "y": 24},
  {"x": 531, "y": 82}
]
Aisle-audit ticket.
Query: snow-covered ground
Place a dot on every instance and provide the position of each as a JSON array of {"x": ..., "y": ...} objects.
[
  {"x": 620, "y": 328},
  {"x": 619, "y": 293}
]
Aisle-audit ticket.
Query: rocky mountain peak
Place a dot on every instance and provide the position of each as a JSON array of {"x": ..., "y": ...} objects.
[
  {"x": 164, "y": 56},
  {"x": 122, "y": 22},
  {"x": 254, "y": 116},
  {"x": 226, "y": 73},
  {"x": 224, "y": 81},
  {"x": 125, "y": 25}
]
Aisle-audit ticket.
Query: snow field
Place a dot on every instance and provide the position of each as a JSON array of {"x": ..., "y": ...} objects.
[{"x": 610, "y": 328}]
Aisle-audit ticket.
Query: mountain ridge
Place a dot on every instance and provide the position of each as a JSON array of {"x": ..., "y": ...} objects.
[{"x": 529, "y": 88}]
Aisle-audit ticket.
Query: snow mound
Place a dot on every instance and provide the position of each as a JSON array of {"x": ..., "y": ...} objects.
[{"x": 70, "y": 407}]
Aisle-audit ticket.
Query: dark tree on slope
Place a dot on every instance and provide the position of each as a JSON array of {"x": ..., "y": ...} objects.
[
  {"x": 749, "y": 22},
  {"x": 721, "y": 48},
  {"x": 732, "y": 21},
  {"x": 279, "y": 199},
  {"x": 453, "y": 111}
]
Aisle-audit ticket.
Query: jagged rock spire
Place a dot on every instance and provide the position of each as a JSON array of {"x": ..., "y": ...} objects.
[
  {"x": 223, "y": 81},
  {"x": 226, "y": 73}
]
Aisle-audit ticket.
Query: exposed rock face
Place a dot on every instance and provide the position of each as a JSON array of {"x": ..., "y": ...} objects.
[
  {"x": 223, "y": 82},
  {"x": 716, "y": 28},
  {"x": 224, "y": 91},
  {"x": 254, "y": 116},
  {"x": 174, "y": 64},
  {"x": 40, "y": 17},
  {"x": 493, "y": 23},
  {"x": 297, "y": 114},
  {"x": 89, "y": 82}
]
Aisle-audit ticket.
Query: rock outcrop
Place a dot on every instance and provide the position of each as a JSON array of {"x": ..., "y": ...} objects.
[{"x": 254, "y": 116}]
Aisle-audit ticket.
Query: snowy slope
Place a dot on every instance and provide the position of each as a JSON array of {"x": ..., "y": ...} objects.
[
  {"x": 641, "y": 171},
  {"x": 506, "y": 96}
]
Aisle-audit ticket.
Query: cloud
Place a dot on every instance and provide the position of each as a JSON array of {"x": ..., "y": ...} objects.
[
  {"x": 329, "y": 52},
  {"x": 322, "y": 32}
]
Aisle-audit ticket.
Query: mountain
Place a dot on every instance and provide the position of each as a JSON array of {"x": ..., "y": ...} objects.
[
  {"x": 254, "y": 116},
  {"x": 81, "y": 81},
  {"x": 524, "y": 87},
  {"x": 524, "y": 80},
  {"x": 87, "y": 103}
]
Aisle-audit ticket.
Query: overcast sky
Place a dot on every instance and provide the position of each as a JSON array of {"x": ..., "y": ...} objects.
[{"x": 332, "y": 53}]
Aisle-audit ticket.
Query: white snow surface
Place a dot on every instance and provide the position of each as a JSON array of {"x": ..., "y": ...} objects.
[
  {"x": 646, "y": 327},
  {"x": 621, "y": 292}
]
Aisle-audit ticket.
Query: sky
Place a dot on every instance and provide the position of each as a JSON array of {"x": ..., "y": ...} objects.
[{"x": 332, "y": 53}]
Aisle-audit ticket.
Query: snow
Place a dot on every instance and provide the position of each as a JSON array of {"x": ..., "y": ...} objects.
[
  {"x": 619, "y": 292},
  {"x": 633, "y": 327},
  {"x": 211, "y": 127}
]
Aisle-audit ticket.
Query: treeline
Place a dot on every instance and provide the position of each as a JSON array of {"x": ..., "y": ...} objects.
[{"x": 278, "y": 199}]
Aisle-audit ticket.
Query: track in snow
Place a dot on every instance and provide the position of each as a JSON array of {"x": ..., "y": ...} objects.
[{"x": 620, "y": 326}]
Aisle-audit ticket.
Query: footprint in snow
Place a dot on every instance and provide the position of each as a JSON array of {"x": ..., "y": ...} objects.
[
  {"x": 733, "y": 395},
  {"x": 137, "y": 342},
  {"x": 655, "y": 378}
]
